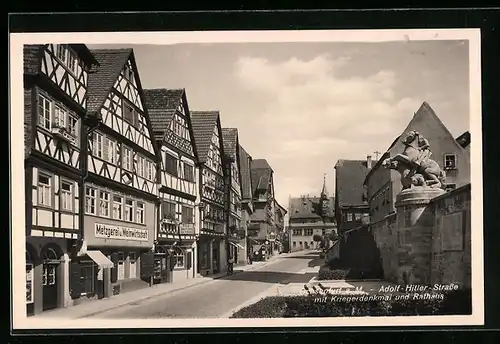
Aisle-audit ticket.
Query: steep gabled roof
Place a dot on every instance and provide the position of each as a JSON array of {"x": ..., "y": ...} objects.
[
  {"x": 261, "y": 164},
  {"x": 204, "y": 123},
  {"x": 112, "y": 62},
  {"x": 349, "y": 180},
  {"x": 246, "y": 179},
  {"x": 424, "y": 117},
  {"x": 162, "y": 104},
  {"x": 230, "y": 141},
  {"x": 305, "y": 214}
]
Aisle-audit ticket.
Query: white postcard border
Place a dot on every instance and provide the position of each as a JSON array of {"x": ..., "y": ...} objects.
[{"x": 17, "y": 40}]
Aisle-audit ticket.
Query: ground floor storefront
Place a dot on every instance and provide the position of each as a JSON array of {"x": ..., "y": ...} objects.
[
  {"x": 178, "y": 257},
  {"x": 212, "y": 255},
  {"x": 110, "y": 259},
  {"x": 47, "y": 273}
]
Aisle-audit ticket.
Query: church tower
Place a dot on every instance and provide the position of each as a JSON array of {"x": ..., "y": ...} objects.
[{"x": 324, "y": 201}]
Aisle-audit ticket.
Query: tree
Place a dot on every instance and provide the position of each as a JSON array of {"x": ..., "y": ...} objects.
[{"x": 317, "y": 238}]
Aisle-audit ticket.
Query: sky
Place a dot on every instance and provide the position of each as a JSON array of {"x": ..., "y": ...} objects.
[{"x": 303, "y": 106}]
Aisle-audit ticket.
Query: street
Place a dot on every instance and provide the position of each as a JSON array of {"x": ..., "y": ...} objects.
[{"x": 217, "y": 297}]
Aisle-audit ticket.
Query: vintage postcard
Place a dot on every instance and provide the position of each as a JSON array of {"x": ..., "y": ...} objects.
[{"x": 261, "y": 179}]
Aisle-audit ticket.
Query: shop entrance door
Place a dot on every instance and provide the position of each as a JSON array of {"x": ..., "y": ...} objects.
[
  {"x": 50, "y": 267},
  {"x": 215, "y": 260},
  {"x": 133, "y": 265},
  {"x": 121, "y": 266}
]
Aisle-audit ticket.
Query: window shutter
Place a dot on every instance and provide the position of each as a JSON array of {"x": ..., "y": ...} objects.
[
  {"x": 114, "y": 269},
  {"x": 75, "y": 281},
  {"x": 189, "y": 260}
]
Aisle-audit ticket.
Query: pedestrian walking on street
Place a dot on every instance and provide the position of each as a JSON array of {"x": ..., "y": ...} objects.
[
  {"x": 230, "y": 264},
  {"x": 250, "y": 259}
]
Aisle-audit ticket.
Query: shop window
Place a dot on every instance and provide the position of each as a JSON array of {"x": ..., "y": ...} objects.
[
  {"x": 179, "y": 260},
  {"x": 88, "y": 277}
]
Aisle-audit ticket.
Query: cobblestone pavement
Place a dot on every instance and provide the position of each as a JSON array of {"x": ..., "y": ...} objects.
[{"x": 218, "y": 297}]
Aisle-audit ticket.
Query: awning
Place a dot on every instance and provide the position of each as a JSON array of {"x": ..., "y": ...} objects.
[
  {"x": 237, "y": 245},
  {"x": 100, "y": 259}
]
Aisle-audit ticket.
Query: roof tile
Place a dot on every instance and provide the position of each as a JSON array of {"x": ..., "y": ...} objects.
[
  {"x": 203, "y": 123},
  {"x": 31, "y": 59},
  {"x": 230, "y": 141},
  {"x": 161, "y": 105},
  {"x": 111, "y": 62}
]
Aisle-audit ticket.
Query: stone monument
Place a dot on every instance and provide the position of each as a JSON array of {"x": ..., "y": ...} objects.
[{"x": 422, "y": 180}]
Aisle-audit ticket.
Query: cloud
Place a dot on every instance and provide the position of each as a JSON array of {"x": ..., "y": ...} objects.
[{"x": 316, "y": 117}]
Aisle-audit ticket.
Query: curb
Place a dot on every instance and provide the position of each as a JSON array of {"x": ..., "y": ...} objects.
[{"x": 172, "y": 291}]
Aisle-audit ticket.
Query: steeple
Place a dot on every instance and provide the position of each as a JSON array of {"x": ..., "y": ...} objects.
[{"x": 324, "y": 193}]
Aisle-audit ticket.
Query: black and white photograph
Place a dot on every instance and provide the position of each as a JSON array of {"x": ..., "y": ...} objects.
[{"x": 208, "y": 179}]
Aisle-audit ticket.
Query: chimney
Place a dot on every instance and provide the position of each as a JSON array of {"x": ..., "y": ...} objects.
[{"x": 369, "y": 161}]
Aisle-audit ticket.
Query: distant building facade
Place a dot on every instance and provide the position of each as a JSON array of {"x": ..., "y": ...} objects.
[{"x": 247, "y": 208}]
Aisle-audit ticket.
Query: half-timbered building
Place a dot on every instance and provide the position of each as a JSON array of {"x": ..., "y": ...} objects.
[
  {"x": 121, "y": 181},
  {"x": 212, "y": 246},
  {"x": 236, "y": 234},
  {"x": 247, "y": 208},
  {"x": 178, "y": 183},
  {"x": 262, "y": 222},
  {"x": 55, "y": 101}
]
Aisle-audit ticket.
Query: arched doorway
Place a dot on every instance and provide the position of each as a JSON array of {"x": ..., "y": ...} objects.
[
  {"x": 30, "y": 269},
  {"x": 51, "y": 264}
]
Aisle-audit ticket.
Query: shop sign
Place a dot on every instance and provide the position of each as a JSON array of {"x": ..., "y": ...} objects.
[
  {"x": 29, "y": 283},
  {"x": 120, "y": 233},
  {"x": 186, "y": 228}
]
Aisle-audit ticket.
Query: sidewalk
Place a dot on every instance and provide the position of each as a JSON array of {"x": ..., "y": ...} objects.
[{"x": 97, "y": 306}]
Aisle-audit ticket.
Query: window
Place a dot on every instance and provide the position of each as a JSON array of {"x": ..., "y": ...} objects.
[
  {"x": 297, "y": 232},
  {"x": 168, "y": 210},
  {"x": 118, "y": 207},
  {"x": 66, "y": 196},
  {"x": 150, "y": 170},
  {"x": 44, "y": 190},
  {"x": 189, "y": 172},
  {"x": 450, "y": 187},
  {"x": 104, "y": 203},
  {"x": 59, "y": 117},
  {"x": 357, "y": 216},
  {"x": 179, "y": 260},
  {"x": 129, "y": 210},
  {"x": 97, "y": 141},
  {"x": 127, "y": 159},
  {"x": 109, "y": 150},
  {"x": 72, "y": 123},
  {"x": 72, "y": 62},
  {"x": 141, "y": 162},
  {"x": 129, "y": 114},
  {"x": 349, "y": 217},
  {"x": 300, "y": 243},
  {"x": 44, "y": 110},
  {"x": 171, "y": 165},
  {"x": 309, "y": 232},
  {"x": 450, "y": 161},
  {"x": 90, "y": 200},
  {"x": 62, "y": 50},
  {"x": 140, "y": 212},
  {"x": 187, "y": 214}
]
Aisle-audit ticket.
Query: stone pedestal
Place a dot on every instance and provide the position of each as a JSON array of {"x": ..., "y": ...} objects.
[{"x": 414, "y": 230}]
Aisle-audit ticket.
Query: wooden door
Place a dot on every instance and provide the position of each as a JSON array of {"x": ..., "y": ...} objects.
[
  {"x": 133, "y": 264},
  {"x": 50, "y": 266},
  {"x": 121, "y": 266}
]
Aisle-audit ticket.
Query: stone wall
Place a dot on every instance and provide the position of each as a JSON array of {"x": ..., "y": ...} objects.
[{"x": 432, "y": 245}]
